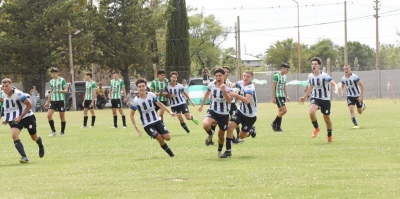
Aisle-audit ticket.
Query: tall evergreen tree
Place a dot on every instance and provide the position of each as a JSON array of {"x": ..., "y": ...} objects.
[{"x": 177, "y": 52}]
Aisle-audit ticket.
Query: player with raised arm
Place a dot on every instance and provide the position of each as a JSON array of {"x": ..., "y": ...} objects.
[{"x": 279, "y": 95}]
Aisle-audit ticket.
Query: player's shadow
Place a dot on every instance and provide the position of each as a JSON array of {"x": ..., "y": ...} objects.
[{"x": 14, "y": 164}]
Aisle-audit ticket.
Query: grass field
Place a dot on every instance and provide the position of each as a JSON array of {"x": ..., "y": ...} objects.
[{"x": 116, "y": 163}]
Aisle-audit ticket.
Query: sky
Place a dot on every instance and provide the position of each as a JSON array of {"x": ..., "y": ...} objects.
[{"x": 263, "y": 22}]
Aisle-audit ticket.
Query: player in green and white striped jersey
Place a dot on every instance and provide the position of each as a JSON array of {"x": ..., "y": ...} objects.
[
  {"x": 117, "y": 89},
  {"x": 279, "y": 95},
  {"x": 90, "y": 96},
  {"x": 56, "y": 100},
  {"x": 158, "y": 87}
]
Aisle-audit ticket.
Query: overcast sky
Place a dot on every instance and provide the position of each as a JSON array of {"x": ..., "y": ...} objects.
[{"x": 263, "y": 22}]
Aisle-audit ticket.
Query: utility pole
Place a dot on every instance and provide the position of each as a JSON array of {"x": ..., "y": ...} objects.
[
  {"x": 239, "y": 58},
  {"x": 346, "y": 59},
  {"x": 377, "y": 33},
  {"x": 71, "y": 66},
  {"x": 298, "y": 37}
]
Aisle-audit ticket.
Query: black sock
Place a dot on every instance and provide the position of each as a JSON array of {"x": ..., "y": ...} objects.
[
  {"x": 276, "y": 120},
  {"x": 329, "y": 132},
  {"x": 279, "y": 122},
  {"x": 115, "y": 120},
  {"x": 210, "y": 132},
  {"x": 85, "y": 118},
  {"x": 63, "y": 126},
  {"x": 228, "y": 144},
  {"x": 123, "y": 121},
  {"x": 213, "y": 127},
  {"x": 167, "y": 149},
  {"x": 354, "y": 120},
  {"x": 39, "y": 142},
  {"x": 93, "y": 119},
  {"x": 185, "y": 127},
  {"x": 315, "y": 124},
  {"x": 220, "y": 146},
  {"x": 20, "y": 148},
  {"x": 237, "y": 132},
  {"x": 53, "y": 129}
]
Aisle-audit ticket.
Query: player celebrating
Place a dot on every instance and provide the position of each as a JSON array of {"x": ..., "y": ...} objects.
[
  {"x": 177, "y": 96},
  {"x": 219, "y": 109},
  {"x": 117, "y": 89},
  {"x": 355, "y": 92},
  {"x": 145, "y": 104},
  {"x": 320, "y": 96},
  {"x": 18, "y": 114},
  {"x": 279, "y": 95},
  {"x": 88, "y": 103}
]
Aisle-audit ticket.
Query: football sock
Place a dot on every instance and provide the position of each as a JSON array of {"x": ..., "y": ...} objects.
[
  {"x": 276, "y": 120},
  {"x": 85, "y": 118},
  {"x": 53, "y": 129},
  {"x": 237, "y": 132},
  {"x": 39, "y": 142},
  {"x": 93, "y": 120},
  {"x": 123, "y": 120},
  {"x": 20, "y": 148},
  {"x": 315, "y": 124},
  {"x": 354, "y": 120},
  {"x": 185, "y": 127},
  {"x": 279, "y": 122},
  {"x": 213, "y": 127},
  {"x": 167, "y": 149},
  {"x": 115, "y": 120},
  {"x": 228, "y": 144},
  {"x": 329, "y": 132},
  {"x": 210, "y": 132},
  {"x": 220, "y": 146},
  {"x": 63, "y": 126}
]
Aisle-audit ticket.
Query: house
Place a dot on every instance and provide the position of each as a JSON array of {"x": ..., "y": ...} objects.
[{"x": 251, "y": 61}]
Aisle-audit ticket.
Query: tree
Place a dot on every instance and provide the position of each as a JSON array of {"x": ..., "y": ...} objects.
[
  {"x": 364, "y": 54},
  {"x": 177, "y": 51},
  {"x": 325, "y": 49},
  {"x": 390, "y": 56}
]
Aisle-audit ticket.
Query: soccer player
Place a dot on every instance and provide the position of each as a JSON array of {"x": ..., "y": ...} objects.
[
  {"x": 279, "y": 95},
  {"x": 320, "y": 96},
  {"x": 218, "y": 110},
  {"x": 117, "y": 90},
  {"x": 18, "y": 114},
  {"x": 56, "y": 100},
  {"x": 145, "y": 104},
  {"x": 355, "y": 92},
  {"x": 177, "y": 96},
  {"x": 246, "y": 114},
  {"x": 157, "y": 86},
  {"x": 90, "y": 96}
]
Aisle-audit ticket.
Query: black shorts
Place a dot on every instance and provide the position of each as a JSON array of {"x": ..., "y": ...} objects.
[
  {"x": 222, "y": 120},
  {"x": 354, "y": 101},
  {"x": 247, "y": 122},
  {"x": 233, "y": 109},
  {"x": 325, "y": 105},
  {"x": 87, "y": 104},
  {"x": 182, "y": 108},
  {"x": 280, "y": 101},
  {"x": 57, "y": 106},
  {"x": 156, "y": 128},
  {"x": 28, "y": 123},
  {"x": 116, "y": 103},
  {"x": 158, "y": 108}
]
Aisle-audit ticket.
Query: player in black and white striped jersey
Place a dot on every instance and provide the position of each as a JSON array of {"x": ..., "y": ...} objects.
[
  {"x": 145, "y": 103},
  {"x": 18, "y": 114},
  {"x": 219, "y": 108},
  {"x": 176, "y": 96}
]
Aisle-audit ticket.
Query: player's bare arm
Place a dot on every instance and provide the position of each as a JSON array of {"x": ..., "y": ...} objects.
[{"x": 206, "y": 96}]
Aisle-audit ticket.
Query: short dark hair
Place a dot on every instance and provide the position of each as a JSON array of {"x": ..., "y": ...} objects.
[
  {"x": 317, "y": 59},
  {"x": 140, "y": 80},
  {"x": 115, "y": 71},
  {"x": 285, "y": 65},
  {"x": 160, "y": 71},
  {"x": 249, "y": 72},
  {"x": 173, "y": 73},
  {"x": 227, "y": 67},
  {"x": 6, "y": 80},
  {"x": 219, "y": 70},
  {"x": 54, "y": 70},
  {"x": 89, "y": 73}
]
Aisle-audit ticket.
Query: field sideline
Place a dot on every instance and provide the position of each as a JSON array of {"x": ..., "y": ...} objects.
[{"x": 116, "y": 163}]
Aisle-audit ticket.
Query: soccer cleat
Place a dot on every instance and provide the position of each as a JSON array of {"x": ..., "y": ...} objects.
[
  {"x": 173, "y": 155},
  {"x": 113, "y": 127},
  {"x": 226, "y": 154},
  {"x": 61, "y": 133},
  {"x": 83, "y": 127},
  {"x": 208, "y": 142},
  {"x": 355, "y": 127},
  {"x": 316, "y": 131},
  {"x": 330, "y": 139},
  {"x": 124, "y": 127},
  {"x": 279, "y": 129},
  {"x": 41, "y": 152},
  {"x": 24, "y": 160},
  {"x": 52, "y": 134},
  {"x": 364, "y": 106},
  {"x": 219, "y": 153},
  {"x": 237, "y": 141},
  {"x": 253, "y": 132},
  {"x": 195, "y": 121},
  {"x": 273, "y": 125}
]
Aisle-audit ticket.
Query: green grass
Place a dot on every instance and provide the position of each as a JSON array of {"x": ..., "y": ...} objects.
[{"x": 116, "y": 163}]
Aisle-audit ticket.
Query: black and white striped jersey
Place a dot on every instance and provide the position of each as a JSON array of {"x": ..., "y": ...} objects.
[
  {"x": 320, "y": 85},
  {"x": 218, "y": 102},
  {"x": 249, "y": 110},
  {"x": 14, "y": 105},
  {"x": 178, "y": 98},
  {"x": 146, "y": 108},
  {"x": 352, "y": 85}
]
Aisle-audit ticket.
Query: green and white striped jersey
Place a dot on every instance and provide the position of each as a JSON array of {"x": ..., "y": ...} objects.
[
  {"x": 159, "y": 86},
  {"x": 56, "y": 85},
  {"x": 116, "y": 88},
  {"x": 280, "y": 81},
  {"x": 90, "y": 88}
]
